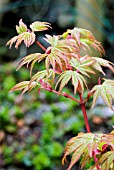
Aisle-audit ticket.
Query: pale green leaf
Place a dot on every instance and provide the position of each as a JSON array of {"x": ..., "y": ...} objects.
[
  {"x": 104, "y": 63},
  {"x": 105, "y": 90},
  {"x": 32, "y": 58},
  {"x": 21, "y": 28},
  {"x": 24, "y": 86},
  {"x": 40, "y": 26}
]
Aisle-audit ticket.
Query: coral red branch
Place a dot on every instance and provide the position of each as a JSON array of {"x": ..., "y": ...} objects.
[
  {"x": 40, "y": 45},
  {"x": 95, "y": 159},
  {"x": 66, "y": 95},
  {"x": 82, "y": 104}
]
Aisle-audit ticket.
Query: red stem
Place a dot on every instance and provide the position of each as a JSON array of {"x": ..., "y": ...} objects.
[
  {"x": 82, "y": 104},
  {"x": 40, "y": 45},
  {"x": 95, "y": 159},
  {"x": 64, "y": 94}
]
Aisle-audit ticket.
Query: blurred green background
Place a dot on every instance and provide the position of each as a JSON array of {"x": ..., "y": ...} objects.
[{"x": 35, "y": 128}]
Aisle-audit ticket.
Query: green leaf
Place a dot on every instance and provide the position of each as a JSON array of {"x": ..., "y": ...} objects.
[
  {"x": 42, "y": 75},
  {"x": 21, "y": 28},
  {"x": 82, "y": 65},
  {"x": 77, "y": 80},
  {"x": 24, "y": 86},
  {"x": 106, "y": 91},
  {"x": 31, "y": 58},
  {"x": 40, "y": 26}
]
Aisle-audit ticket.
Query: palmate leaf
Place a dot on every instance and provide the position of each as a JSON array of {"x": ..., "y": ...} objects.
[
  {"x": 53, "y": 59},
  {"x": 84, "y": 38},
  {"x": 77, "y": 80},
  {"x": 27, "y": 37},
  {"x": 32, "y": 58},
  {"x": 42, "y": 75},
  {"x": 106, "y": 91},
  {"x": 102, "y": 62},
  {"x": 80, "y": 146},
  {"x": 67, "y": 46},
  {"x": 40, "y": 26},
  {"x": 21, "y": 28},
  {"x": 83, "y": 65},
  {"x": 24, "y": 86},
  {"x": 52, "y": 40}
]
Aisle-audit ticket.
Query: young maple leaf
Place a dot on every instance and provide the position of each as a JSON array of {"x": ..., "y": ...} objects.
[
  {"x": 21, "y": 28},
  {"x": 102, "y": 62},
  {"x": 42, "y": 75},
  {"x": 32, "y": 58},
  {"x": 83, "y": 146},
  {"x": 83, "y": 65},
  {"x": 106, "y": 91},
  {"x": 77, "y": 80},
  {"x": 40, "y": 26},
  {"x": 84, "y": 38},
  {"x": 24, "y": 86}
]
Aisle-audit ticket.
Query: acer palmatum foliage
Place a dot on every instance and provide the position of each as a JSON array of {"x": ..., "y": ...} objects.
[{"x": 67, "y": 60}]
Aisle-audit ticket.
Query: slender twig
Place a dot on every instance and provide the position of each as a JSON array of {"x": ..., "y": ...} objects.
[
  {"x": 40, "y": 45},
  {"x": 88, "y": 96},
  {"x": 65, "y": 95},
  {"x": 48, "y": 88}
]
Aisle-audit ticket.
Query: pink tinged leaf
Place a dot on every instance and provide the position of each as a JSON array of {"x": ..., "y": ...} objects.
[
  {"x": 28, "y": 38},
  {"x": 42, "y": 83},
  {"x": 104, "y": 63},
  {"x": 98, "y": 67},
  {"x": 97, "y": 45},
  {"x": 77, "y": 37},
  {"x": 86, "y": 46},
  {"x": 11, "y": 41},
  {"x": 91, "y": 147},
  {"x": 20, "y": 86},
  {"x": 28, "y": 59},
  {"x": 106, "y": 160},
  {"x": 21, "y": 28}
]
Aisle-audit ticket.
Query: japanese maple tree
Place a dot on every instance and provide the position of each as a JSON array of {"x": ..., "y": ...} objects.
[{"x": 67, "y": 60}]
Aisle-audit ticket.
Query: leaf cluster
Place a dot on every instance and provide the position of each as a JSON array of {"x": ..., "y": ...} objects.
[
  {"x": 66, "y": 60},
  {"x": 86, "y": 145}
]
